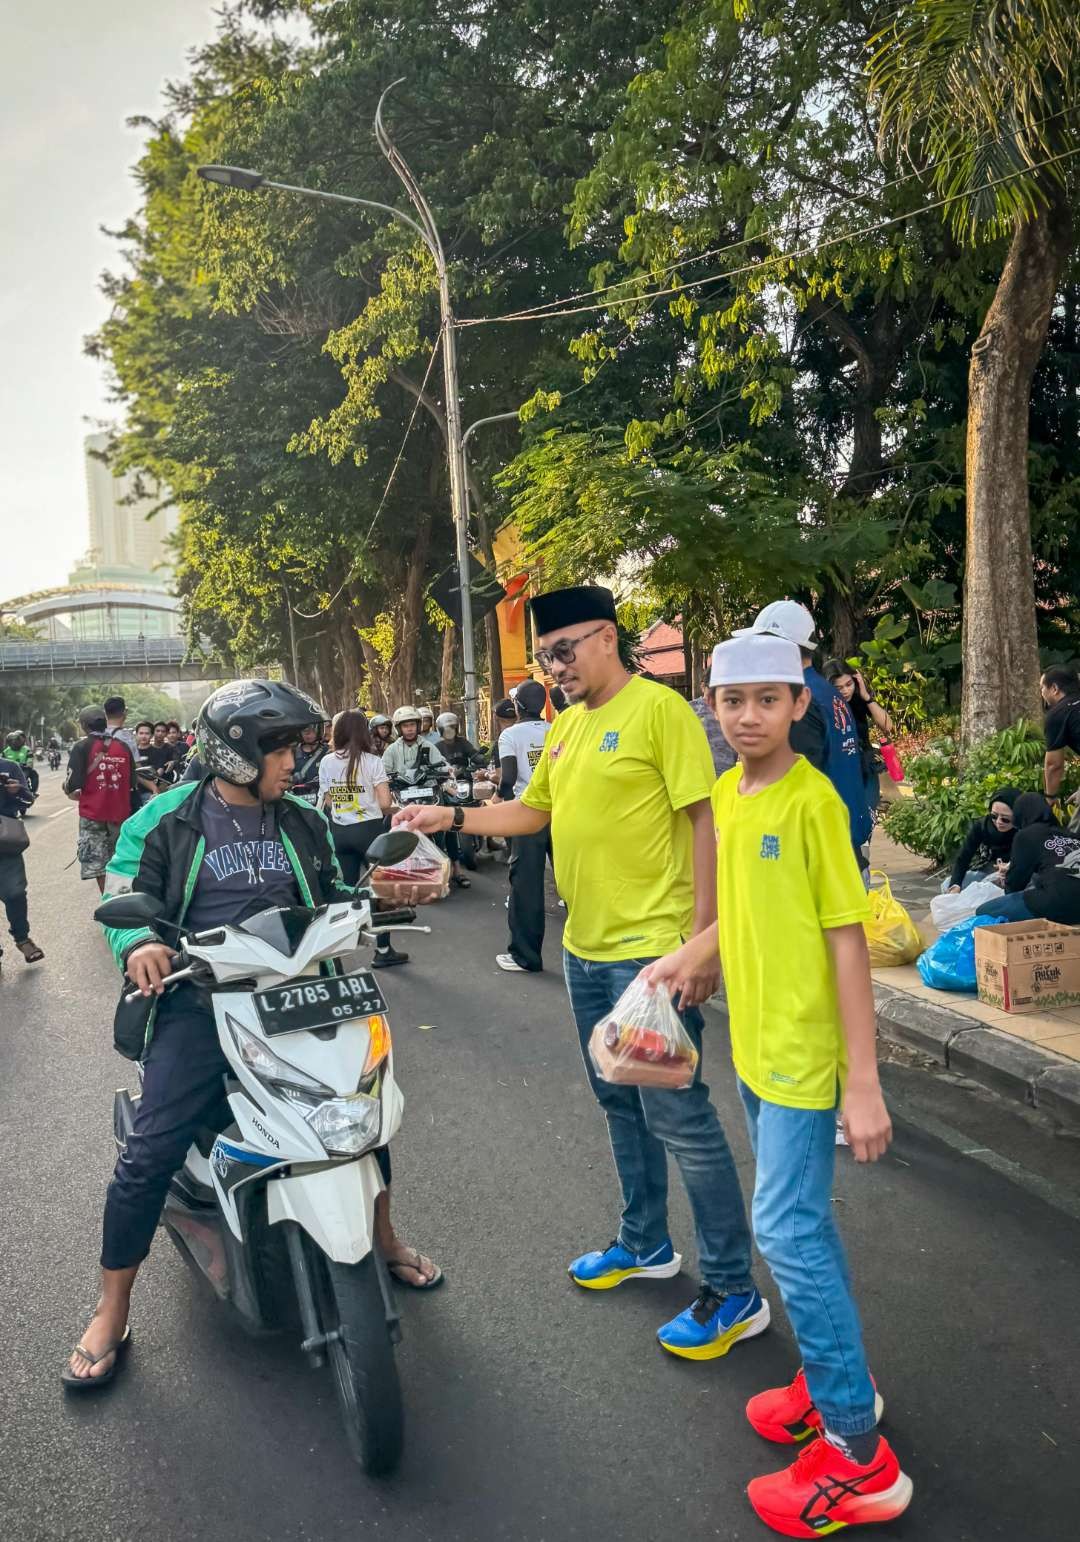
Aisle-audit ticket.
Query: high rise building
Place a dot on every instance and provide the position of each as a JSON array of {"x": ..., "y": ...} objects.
[{"x": 125, "y": 532}]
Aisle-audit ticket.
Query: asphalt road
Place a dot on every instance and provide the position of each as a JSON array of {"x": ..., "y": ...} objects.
[{"x": 536, "y": 1412}]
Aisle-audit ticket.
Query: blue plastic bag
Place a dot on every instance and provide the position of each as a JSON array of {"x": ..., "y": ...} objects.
[{"x": 949, "y": 963}]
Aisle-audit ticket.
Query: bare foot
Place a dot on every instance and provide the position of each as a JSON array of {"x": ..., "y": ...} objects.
[
  {"x": 411, "y": 1267},
  {"x": 106, "y": 1329}
]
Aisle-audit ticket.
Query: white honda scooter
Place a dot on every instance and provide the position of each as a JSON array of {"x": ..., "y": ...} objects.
[{"x": 274, "y": 1205}]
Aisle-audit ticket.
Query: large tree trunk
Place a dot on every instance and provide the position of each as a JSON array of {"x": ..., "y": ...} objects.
[{"x": 1001, "y": 653}]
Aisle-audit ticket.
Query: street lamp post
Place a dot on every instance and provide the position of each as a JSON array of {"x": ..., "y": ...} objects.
[{"x": 248, "y": 181}]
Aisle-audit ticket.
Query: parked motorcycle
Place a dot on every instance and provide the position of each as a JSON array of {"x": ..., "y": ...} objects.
[{"x": 275, "y": 1203}]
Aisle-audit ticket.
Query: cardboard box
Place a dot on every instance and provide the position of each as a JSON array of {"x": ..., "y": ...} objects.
[{"x": 1028, "y": 966}]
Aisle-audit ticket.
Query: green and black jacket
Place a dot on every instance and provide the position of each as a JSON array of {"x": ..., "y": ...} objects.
[{"x": 160, "y": 851}]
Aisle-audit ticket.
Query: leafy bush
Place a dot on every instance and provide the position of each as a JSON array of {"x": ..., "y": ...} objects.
[{"x": 950, "y": 790}]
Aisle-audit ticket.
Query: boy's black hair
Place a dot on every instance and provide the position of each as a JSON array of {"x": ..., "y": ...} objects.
[
  {"x": 114, "y": 705},
  {"x": 161, "y": 723},
  {"x": 1064, "y": 676},
  {"x": 796, "y": 690},
  {"x": 145, "y": 723}
]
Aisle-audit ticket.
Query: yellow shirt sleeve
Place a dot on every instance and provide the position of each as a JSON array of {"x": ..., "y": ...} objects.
[
  {"x": 538, "y": 793},
  {"x": 835, "y": 880},
  {"x": 682, "y": 753}
]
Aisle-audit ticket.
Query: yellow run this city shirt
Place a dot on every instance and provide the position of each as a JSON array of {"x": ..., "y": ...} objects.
[
  {"x": 615, "y": 781},
  {"x": 785, "y": 874}
]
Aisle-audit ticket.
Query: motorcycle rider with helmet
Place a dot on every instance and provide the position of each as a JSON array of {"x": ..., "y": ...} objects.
[
  {"x": 382, "y": 731},
  {"x": 453, "y": 746},
  {"x": 211, "y": 851},
  {"x": 427, "y": 725},
  {"x": 411, "y": 758},
  {"x": 309, "y": 755},
  {"x": 17, "y": 749}
]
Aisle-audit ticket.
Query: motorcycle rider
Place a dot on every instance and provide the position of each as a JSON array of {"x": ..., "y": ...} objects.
[
  {"x": 309, "y": 754},
  {"x": 453, "y": 746},
  {"x": 212, "y": 851},
  {"x": 427, "y": 726},
  {"x": 382, "y": 732},
  {"x": 411, "y": 758},
  {"x": 18, "y": 750}
]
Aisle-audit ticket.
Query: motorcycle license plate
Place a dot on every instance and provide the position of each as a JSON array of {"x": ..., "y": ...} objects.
[{"x": 320, "y": 1003}]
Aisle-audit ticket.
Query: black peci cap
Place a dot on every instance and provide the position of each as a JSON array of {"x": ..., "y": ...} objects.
[{"x": 566, "y": 607}]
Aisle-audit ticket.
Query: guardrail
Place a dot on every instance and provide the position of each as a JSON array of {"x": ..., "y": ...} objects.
[{"x": 16, "y": 656}]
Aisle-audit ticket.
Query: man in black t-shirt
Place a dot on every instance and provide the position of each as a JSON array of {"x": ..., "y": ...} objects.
[{"x": 1060, "y": 688}]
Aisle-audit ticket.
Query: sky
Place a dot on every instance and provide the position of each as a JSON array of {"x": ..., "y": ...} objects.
[{"x": 72, "y": 74}]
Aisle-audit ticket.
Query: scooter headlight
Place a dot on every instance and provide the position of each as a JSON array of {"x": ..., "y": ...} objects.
[
  {"x": 297, "y": 1085},
  {"x": 347, "y": 1126}
]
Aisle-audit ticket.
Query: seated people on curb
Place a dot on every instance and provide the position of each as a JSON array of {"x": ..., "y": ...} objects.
[
  {"x": 259, "y": 847},
  {"x": 624, "y": 783},
  {"x": 791, "y": 907},
  {"x": 987, "y": 845},
  {"x": 354, "y": 792},
  {"x": 1040, "y": 844}
]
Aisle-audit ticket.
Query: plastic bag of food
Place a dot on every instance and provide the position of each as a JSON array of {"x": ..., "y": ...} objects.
[
  {"x": 947, "y": 909},
  {"x": 891, "y": 934},
  {"x": 418, "y": 879},
  {"x": 949, "y": 963},
  {"x": 642, "y": 1042}
]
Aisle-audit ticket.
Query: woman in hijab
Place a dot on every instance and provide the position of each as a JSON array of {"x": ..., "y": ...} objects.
[
  {"x": 988, "y": 842},
  {"x": 1039, "y": 844}
]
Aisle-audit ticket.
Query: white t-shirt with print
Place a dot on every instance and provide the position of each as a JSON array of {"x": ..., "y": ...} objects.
[
  {"x": 525, "y": 741},
  {"x": 353, "y": 801}
]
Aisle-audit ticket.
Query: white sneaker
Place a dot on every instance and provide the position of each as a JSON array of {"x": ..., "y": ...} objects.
[{"x": 511, "y": 965}]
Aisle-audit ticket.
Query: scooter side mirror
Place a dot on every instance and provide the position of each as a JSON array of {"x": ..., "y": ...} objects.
[
  {"x": 133, "y": 909},
  {"x": 392, "y": 847}
]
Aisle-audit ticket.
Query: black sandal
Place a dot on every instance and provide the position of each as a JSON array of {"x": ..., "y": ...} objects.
[
  {"x": 395, "y": 1265},
  {"x": 30, "y": 950},
  {"x": 88, "y": 1383},
  {"x": 461, "y": 881}
]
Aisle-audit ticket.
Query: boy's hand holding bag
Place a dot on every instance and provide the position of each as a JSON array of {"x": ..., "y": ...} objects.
[{"x": 642, "y": 1042}]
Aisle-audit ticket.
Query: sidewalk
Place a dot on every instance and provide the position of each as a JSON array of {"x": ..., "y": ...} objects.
[{"x": 1033, "y": 1057}]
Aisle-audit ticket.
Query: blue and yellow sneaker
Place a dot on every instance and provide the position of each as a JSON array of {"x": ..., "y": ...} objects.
[
  {"x": 713, "y": 1323},
  {"x": 606, "y": 1269}
]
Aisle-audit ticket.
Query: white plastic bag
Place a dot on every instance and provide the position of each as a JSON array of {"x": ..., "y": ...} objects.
[
  {"x": 422, "y": 877},
  {"x": 642, "y": 1042},
  {"x": 947, "y": 909}
]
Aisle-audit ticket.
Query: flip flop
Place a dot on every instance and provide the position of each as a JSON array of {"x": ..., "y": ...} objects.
[
  {"x": 460, "y": 882},
  {"x": 30, "y": 951},
  {"x": 88, "y": 1383},
  {"x": 395, "y": 1265}
]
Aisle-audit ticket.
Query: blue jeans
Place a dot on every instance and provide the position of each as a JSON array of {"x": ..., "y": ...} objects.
[
  {"x": 645, "y": 1123},
  {"x": 1010, "y": 907},
  {"x": 795, "y": 1150}
]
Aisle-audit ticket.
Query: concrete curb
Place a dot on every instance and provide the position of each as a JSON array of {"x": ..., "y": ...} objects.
[{"x": 1012, "y": 1067}]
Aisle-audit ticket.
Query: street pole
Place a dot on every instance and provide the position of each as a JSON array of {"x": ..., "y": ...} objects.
[
  {"x": 455, "y": 453},
  {"x": 292, "y": 637}
]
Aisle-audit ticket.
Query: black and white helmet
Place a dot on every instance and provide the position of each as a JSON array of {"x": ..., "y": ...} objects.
[{"x": 244, "y": 720}]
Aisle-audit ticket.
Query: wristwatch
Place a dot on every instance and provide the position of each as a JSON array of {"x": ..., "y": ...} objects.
[{"x": 458, "y": 819}]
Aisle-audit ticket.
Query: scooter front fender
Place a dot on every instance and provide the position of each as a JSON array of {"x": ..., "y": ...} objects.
[{"x": 335, "y": 1206}]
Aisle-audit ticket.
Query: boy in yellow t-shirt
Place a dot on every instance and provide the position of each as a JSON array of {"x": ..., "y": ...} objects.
[{"x": 791, "y": 904}]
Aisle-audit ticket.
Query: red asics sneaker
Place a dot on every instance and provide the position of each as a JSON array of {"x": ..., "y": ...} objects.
[
  {"x": 822, "y": 1491},
  {"x": 788, "y": 1415}
]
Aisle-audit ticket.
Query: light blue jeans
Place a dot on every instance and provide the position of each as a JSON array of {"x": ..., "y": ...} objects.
[
  {"x": 794, "y": 1229},
  {"x": 645, "y": 1123}
]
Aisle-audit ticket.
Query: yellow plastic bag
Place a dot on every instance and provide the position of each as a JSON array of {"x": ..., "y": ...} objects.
[{"x": 890, "y": 932}]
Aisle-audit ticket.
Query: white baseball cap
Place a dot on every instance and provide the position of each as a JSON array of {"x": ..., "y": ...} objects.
[
  {"x": 756, "y": 658},
  {"x": 784, "y": 618}
]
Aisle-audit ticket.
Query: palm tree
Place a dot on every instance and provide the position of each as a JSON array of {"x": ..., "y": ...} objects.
[{"x": 982, "y": 94}]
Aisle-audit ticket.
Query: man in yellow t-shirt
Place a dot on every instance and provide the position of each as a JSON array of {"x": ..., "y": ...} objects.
[
  {"x": 624, "y": 782},
  {"x": 791, "y": 904}
]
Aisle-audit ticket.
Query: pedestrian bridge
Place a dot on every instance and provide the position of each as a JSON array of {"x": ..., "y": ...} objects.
[{"x": 116, "y": 661}]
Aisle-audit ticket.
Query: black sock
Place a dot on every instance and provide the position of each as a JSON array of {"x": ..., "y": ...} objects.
[{"x": 857, "y": 1448}]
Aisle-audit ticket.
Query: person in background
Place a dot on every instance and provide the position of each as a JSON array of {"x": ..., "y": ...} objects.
[
  {"x": 791, "y": 907},
  {"x": 503, "y": 715},
  {"x": 160, "y": 752},
  {"x": 1039, "y": 845},
  {"x": 354, "y": 793},
  {"x": 987, "y": 845},
  {"x": 723, "y": 756},
  {"x": 865, "y": 709},
  {"x": 18, "y": 751},
  {"x": 115, "y": 714},
  {"x": 103, "y": 780},
  {"x": 558, "y": 700},
  {"x": 148, "y": 783},
  {"x": 520, "y": 749},
  {"x": 453, "y": 746},
  {"x": 309, "y": 756},
  {"x": 1060, "y": 687},
  {"x": 826, "y": 733},
  {"x": 428, "y": 732},
  {"x": 15, "y": 799},
  {"x": 624, "y": 782},
  {"x": 382, "y": 731},
  {"x": 411, "y": 758}
]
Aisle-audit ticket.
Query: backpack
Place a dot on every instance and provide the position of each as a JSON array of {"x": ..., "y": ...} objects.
[{"x": 106, "y": 789}]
